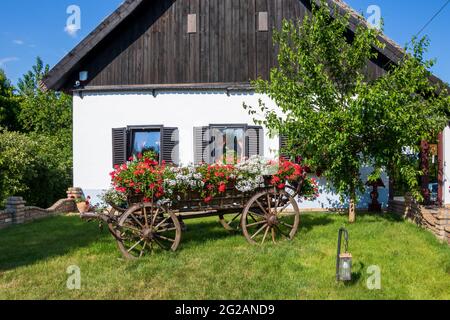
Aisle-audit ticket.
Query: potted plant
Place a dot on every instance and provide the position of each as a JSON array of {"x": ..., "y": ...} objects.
[{"x": 83, "y": 204}]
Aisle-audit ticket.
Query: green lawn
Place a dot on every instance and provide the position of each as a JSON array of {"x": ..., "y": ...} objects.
[{"x": 213, "y": 264}]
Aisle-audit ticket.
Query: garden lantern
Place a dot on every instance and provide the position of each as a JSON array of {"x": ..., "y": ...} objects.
[{"x": 343, "y": 260}]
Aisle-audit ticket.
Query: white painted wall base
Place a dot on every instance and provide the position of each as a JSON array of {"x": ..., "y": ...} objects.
[{"x": 95, "y": 114}]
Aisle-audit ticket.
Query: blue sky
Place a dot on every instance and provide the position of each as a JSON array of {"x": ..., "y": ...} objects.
[{"x": 30, "y": 28}]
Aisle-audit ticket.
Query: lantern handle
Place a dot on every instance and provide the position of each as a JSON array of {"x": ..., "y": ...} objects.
[{"x": 346, "y": 239}]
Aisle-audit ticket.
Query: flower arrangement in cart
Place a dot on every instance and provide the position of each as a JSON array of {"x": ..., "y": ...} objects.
[{"x": 143, "y": 176}]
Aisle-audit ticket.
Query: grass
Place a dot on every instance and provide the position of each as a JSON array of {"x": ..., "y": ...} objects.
[{"x": 213, "y": 264}]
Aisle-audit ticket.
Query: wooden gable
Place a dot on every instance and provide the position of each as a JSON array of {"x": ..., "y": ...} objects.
[{"x": 175, "y": 42}]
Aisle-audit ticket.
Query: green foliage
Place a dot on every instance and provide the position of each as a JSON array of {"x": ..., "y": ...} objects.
[
  {"x": 9, "y": 104},
  {"x": 34, "y": 166},
  {"x": 36, "y": 159},
  {"x": 336, "y": 119},
  {"x": 29, "y": 84},
  {"x": 46, "y": 112},
  {"x": 401, "y": 109}
]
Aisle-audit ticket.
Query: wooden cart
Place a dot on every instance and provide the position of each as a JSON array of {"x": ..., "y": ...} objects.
[{"x": 267, "y": 213}]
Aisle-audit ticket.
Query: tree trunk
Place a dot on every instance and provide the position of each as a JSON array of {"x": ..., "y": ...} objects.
[{"x": 352, "y": 207}]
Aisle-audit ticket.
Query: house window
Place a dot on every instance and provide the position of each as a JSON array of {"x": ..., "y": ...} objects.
[
  {"x": 145, "y": 140},
  {"x": 132, "y": 140},
  {"x": 228, "y": 143}
]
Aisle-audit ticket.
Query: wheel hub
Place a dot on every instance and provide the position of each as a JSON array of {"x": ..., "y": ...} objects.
[
  {"x": 272, "y": 220},
  {"x": 147, "y": 234}
]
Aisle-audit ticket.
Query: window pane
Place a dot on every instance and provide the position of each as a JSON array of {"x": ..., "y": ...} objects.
[
  {"x": 229, "y": 145},
  {"x": 144, "y": 141}
]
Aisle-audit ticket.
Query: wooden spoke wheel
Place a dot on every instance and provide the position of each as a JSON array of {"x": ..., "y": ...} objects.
[
  {"x": 270, "y": 216},
  {"x": 231, "y": 222},
  {"x": 146, "y": 227}
]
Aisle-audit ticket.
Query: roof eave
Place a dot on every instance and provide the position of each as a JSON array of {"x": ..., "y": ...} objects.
[{"x": 57, "y": 76}]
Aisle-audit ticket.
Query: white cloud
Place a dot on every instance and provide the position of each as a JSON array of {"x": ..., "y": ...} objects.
[
  {"x": 4, "y": 61},
  {"x": 19, "y": 42},
  {"x": 71, "y": 30}
]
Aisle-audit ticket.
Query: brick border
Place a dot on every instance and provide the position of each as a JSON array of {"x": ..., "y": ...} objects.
[
  {"x": 434, "y": 219},
  {"x": 17, "y": 213}
]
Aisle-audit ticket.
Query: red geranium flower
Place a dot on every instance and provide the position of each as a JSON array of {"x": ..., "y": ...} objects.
[{"x": 222, "y": 188}]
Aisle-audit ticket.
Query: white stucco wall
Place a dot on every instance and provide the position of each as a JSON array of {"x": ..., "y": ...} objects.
[
  {"x": 446, "y": 192},
  {"x": 95, "y": 114}
]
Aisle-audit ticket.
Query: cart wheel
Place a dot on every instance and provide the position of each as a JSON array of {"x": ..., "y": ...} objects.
[
  {"x": 231, "y": 222},
  {"x": 273, "y": 214},
  {"x": 145, "y": 227}
]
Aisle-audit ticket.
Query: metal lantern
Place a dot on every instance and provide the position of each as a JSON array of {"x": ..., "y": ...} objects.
[{"x": 343, "y": 260}]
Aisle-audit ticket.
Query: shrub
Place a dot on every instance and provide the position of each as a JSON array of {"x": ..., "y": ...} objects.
[{"x": 34, "y": 166}]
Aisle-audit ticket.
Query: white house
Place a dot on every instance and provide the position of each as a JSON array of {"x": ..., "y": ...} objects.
[{"x": 160, "y": 73}]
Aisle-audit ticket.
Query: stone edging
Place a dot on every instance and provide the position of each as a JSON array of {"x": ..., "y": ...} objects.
[
  {"x": 17, "y": 213},
  {"x": 434, "y": 219}
]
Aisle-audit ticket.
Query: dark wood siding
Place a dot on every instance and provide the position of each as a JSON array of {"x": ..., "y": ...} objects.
[{"x": 152, "y": 45}]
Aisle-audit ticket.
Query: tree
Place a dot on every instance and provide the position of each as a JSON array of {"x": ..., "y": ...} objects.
[
  {"x": 29, "y": 85},
  {"x": 9, "y": 104},
  {"x": 41, "y": 149},
  {"x": 331, "y": 113},
  {"x": 46, "y": 112},
  {"x": 404, "y": 108}
]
